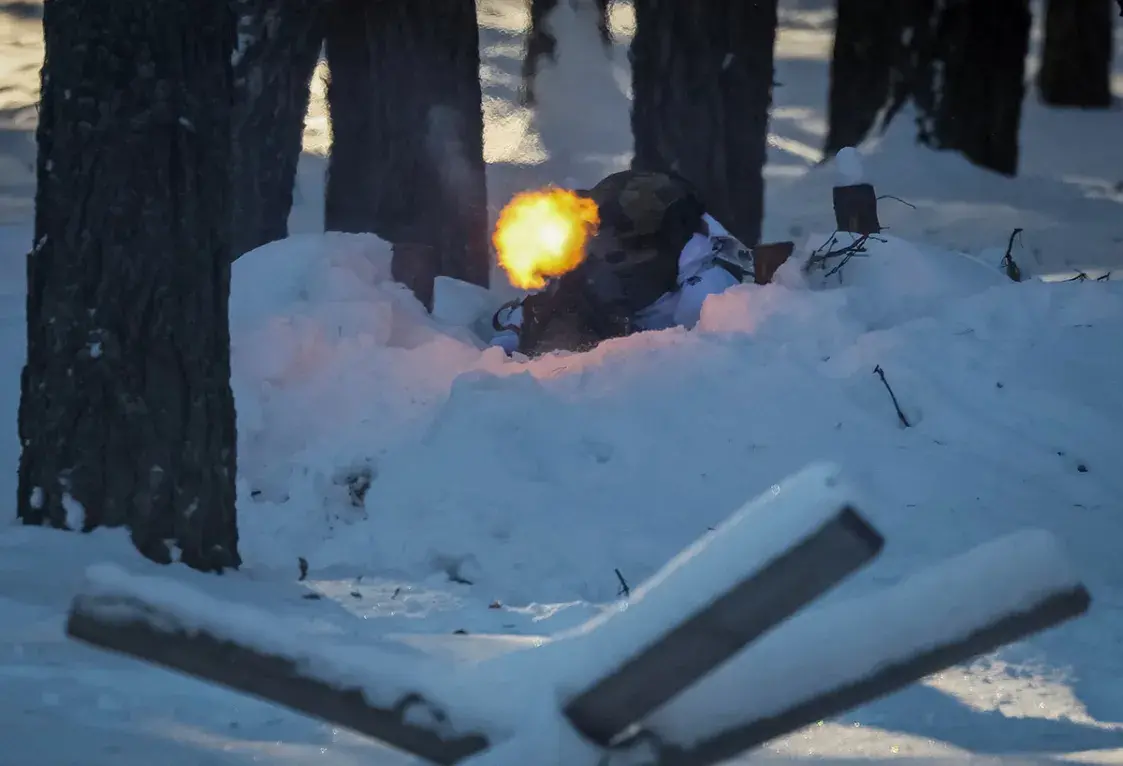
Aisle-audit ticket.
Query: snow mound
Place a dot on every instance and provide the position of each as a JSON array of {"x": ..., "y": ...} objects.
[
  {"x": 374, "y": 436},
  {"x": 328, "y": 354}
]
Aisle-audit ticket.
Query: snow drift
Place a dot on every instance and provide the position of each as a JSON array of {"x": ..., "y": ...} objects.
[{"x": 371, "y": 432}]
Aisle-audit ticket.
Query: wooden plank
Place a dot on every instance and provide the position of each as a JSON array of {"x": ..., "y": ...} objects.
[
  {"x": 824, "y": 555},
  {"x": 126, "y": 625},
  {"x": 1049, "y": 610},
  {"x": 768, "y": 258}
]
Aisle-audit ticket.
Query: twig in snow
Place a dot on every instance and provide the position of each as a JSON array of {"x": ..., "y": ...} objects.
[
  {"x": 900, "y": 415},
  {"x": 1008, "y": 263},
  {"x": 624, "y": 591},
  {"x": 890, "y": 196},
  {"x": 821, "y": 259},
  {"x": 1082, "y": 276}
]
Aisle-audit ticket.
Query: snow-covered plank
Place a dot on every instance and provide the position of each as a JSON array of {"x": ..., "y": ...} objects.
[
  {"x": 165, "y": 623},
  {"x": 771, "y": 558},
  {"x": 827, "y": 661}
]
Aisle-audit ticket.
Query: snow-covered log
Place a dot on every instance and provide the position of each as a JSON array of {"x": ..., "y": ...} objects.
[
  {"x": 830, "y": 660},
  {"x": 715, "y": 655},
  {"x": 769, "y": 560},
  {"x": 167, "y": 624}
]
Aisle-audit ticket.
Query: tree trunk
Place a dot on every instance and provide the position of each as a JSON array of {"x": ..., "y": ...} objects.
[
  {"x": 960, "y": 63},
  {"x": 869, "y": 63},
  {"x": 702, "y": 87},
  {"x": 126, "y": 415},
  {"x": 540, "y": 41},
  {"x": 979, "y": 81},
  {"x": 882, "y": 58},
  {"x": 407, "y": 128},
  {"x": 1076, "y": 60},
  {"x": 279, "y": 43}
]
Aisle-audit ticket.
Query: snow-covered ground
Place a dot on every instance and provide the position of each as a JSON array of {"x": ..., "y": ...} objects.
[{"x": 527, "y": 485}]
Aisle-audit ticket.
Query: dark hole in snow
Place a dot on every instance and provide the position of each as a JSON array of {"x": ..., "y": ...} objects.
[
  {"x": 453, "y": 567},
  {"x": 357, "y": 479}
]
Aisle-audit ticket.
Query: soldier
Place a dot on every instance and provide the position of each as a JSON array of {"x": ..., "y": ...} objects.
[{"x": 655, "y": 258}]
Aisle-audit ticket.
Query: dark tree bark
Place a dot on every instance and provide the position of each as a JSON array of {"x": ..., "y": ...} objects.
[
  {"x": 960, "y": 63},
  {"x": 126, "y": 414},
  {"x": 540, "y": 41},
  {"x": 407, "y": 128},
  {"x": 279, "y": 42},
  {"x": 1076, "y": 60},
  {"x": 868, "y": 64},
  {"x": 883, "y": 58},
  {"x": 979, "y": 81},
  {"x": 702, "y": 88}
]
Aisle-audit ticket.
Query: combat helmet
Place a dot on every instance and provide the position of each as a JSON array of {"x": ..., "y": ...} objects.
[{"x": 646, "y": 218}]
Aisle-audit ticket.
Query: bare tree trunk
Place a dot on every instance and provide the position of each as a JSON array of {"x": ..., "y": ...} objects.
[
  {"x": 407, "y": 128},
  {"x": 279, "y": 42},
  {"x": 1076, "y": 61},
  {"x": 882, "y": 59},
  {"x": 979, "y": 80},
  {"x": 350, "y": 195},
  {"x": 960, "y": 63},
  {"x": 540, "y": 41},
  {"x": 126, "y": 414},
  {"x": 702, "y": 88},
  {"x": 866, "y": 58}
]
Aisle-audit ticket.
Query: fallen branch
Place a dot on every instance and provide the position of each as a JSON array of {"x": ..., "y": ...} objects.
[
  {"x": 1008, "y": 264},
  {"x": 821, "y": 259},
  {"x": 900, "y": 414},
  {"x": 1082, "y": 276},
  {"x": 1046, "y": 613},
  {"x": 898, "y": 199},
  {"x": 624, "y": 591},
  {"x": 141, "y": 630},
  {"x": 804, "y": 538},
  {"x": 820, "y": 665}
]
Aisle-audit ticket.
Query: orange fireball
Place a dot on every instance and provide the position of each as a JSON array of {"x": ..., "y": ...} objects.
[{"x": 542, "y": 234}]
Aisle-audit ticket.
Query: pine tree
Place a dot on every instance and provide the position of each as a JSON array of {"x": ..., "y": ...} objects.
[
  {"x": 279, "y": 43},
  {"x": 702, "y": 88},
  {"x": 959, "y": 63},
  {"x": 1076, "y": 59},
  {"x": 407, "y": 128},
  {"x": 126, "y": 414},
  {"x": 540, "y": 41}
]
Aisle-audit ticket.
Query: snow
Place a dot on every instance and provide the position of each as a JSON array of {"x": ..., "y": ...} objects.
[
  {"x": 849, "y": 165},
  {"x": 793, "y": 662},
  {"x": 434, "y": 486},
  {"x": 75, "y": 512}
]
